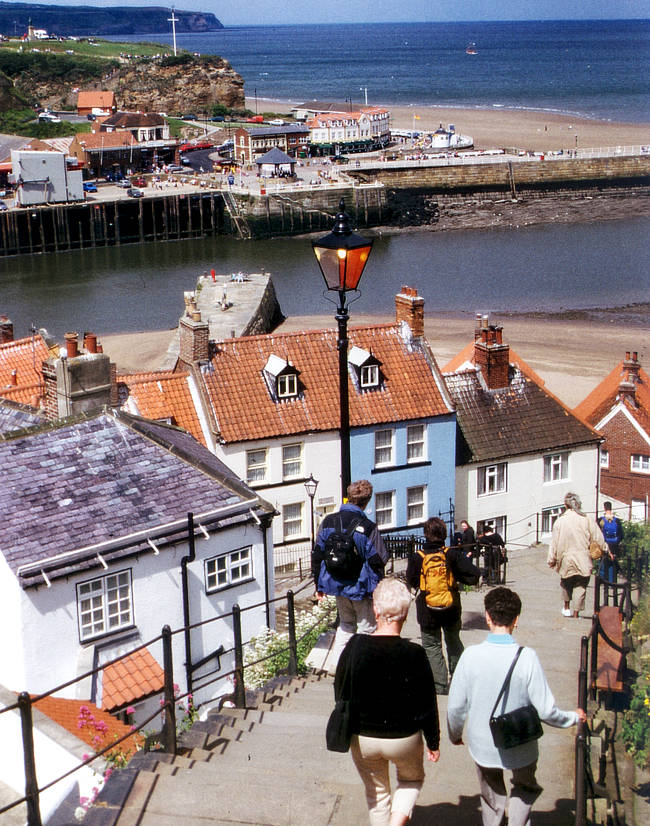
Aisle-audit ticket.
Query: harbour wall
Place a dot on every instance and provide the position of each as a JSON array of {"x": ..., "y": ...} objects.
[{"x": 407, "y": 195}]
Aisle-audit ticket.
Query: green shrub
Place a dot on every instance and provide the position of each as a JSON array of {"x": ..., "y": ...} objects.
[
  {"x": 635, "y": 728},
  {"x": 640, "y": 625},
  {"x": 272, "y": 649},
  {"x": 181, "y": 59}
]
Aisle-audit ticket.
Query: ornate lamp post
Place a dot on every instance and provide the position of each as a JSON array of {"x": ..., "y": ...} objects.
[
  {"x": 310, "y": 486},
  {"x": 342, "y": 257}
]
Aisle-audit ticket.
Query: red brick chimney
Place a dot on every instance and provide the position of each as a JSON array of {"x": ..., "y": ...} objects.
[
  {"x": 6, "y": 330},
  {"x": 629, "y": 376},
  {"x": 491, "y": 354},
  {"x": 409, "y": 307},
  {"x": 194, "y": 338}
]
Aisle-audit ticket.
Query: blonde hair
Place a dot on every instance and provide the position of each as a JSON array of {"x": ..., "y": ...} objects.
[{"x": 391, "y": 600}]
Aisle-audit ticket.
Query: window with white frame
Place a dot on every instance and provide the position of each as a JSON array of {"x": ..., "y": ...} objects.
[
  {"x": 556, "y": 467},
  {"x": 287, "y": 386},
  {"x": 415, "y": 443},
  {"x": 415, "y": 505},
  {"x": 256, "y": 465},
  {"x": 492, "y": 479},
  {"x": 384, "y": 508},
  {"x": 549, "y": 515},
  {"x": 383, "y": 447},
  {"x": 228, "y": 569},
  {"x": 292, "y": 520},
  {"x": 640, "y": 463},
  {"x": 104, "y": 604},
  {"x": 604, "y": 458},
  {"x": 369, "y": 375},
  {"x": 291, "y": 460}
]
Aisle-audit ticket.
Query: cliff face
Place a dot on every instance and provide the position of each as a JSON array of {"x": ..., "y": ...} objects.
[{"x": 147, "y": 86}]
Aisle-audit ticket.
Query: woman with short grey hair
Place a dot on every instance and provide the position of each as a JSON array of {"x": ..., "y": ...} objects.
[
  {"x": 573, "y": 532},
  {"x": 390, "y": 685}
]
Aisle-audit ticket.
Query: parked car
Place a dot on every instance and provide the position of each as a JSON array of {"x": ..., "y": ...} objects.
[
  {"x": 89, "y": 186},
  {"x": 186, "y": 161},
  {"x": 217, "y": 119},
  {"x": 48, "y": 117},
  {"x": 174, "y": 167},
  {"x": 188, "y": 117},
  {"x": 340, "y": 159},
  {"x": 90, "y": 116},
  {"x": 138, "y": 181},
  {"x": 124, "y": 184},
  {"x": 134, "y": 192}
]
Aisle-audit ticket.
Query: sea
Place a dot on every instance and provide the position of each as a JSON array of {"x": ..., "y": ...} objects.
[
  {"x": 596, "y": 69},
  {"x": 591, "y": 68}
]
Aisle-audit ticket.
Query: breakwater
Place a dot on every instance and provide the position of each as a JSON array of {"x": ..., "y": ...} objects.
[{"x": 397, "y": 195}]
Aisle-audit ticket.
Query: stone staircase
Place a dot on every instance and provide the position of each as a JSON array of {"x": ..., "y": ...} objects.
[{"x": 243, "y": 766}]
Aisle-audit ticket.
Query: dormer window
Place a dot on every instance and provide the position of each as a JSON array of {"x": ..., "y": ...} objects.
[
  {"x": 282, "y": 378},
  {"x": 366, "y": 367}
]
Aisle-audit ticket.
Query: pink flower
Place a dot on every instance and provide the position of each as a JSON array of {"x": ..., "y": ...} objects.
[
  {"x": 130, "y": 710},
  {"x": 85, "y": 756}
]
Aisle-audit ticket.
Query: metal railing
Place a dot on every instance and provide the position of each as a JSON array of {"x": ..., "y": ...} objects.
[
  {"x": 168, "y": 734},
  {"x": 606, "y": 593}
]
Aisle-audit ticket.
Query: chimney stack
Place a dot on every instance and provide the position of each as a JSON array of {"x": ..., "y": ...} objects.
[
  {"x": 491, "y": 354},
  {"x": 72, "y": 344},
  {"x": 194, "y": 338},
  {"x": 629, "y": 376},
  {"x": 90, "y": 342},
  {"x": 409, "y": 307},
  {"x": 6, "y": 330},
  {"x": 76, "y": 382}
]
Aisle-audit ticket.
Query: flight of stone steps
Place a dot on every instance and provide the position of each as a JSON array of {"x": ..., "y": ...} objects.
[{"x": 265, "y": 765}]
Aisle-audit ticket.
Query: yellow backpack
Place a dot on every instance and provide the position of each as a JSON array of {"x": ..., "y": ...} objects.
[{"x": 437, "y": 581}]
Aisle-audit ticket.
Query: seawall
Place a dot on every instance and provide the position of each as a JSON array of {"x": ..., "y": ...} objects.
[{"x": 406, "y": 194}]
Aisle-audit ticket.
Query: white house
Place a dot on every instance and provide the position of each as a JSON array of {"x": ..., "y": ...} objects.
[
  {"x": 44, "y": 177},
  {"x": 519, "y": 449},
  {"x": 367, "y": 128},
  {"x": 94, "y": 544}
]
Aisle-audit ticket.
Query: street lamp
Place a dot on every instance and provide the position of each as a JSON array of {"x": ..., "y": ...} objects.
[
  {"x": 310, "y": 486},
  {"x": 342, "y": 257}
]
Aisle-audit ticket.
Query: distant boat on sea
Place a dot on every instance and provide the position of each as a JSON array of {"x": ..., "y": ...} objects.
[{"x": 471, "y": 49}]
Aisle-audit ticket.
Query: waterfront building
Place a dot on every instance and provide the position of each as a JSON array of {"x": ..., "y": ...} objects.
[
  {"x": 291, "y": 138},
  {"x": 44, "y": 177},
  {"x": 363, "y": 130},
  {"x": 619, "y": 409},
  {"x": 519, "y": 449},
  {"x": 96, "y": 102},
  {"x": 144, "y": 126},
  {"x": 312, "y": 108}
]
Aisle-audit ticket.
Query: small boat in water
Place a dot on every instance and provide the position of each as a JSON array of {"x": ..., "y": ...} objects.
[{"x": 471, "y": 49}]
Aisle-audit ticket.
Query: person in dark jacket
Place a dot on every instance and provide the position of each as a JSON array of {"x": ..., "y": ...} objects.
[
  {"x": 394, "y": 708},
  {"x": 612, "y": 529},
  {"x": 353, "y": 596},
  {"x": 436, "y": 621},
  {"x": 494, "y": 553}
]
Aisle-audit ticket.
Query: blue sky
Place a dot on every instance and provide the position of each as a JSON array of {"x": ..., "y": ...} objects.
[{"x": 378, "y": 11}]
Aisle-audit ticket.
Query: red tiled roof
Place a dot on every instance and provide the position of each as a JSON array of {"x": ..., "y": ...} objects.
[
  {"x": 107, "y": 140},
  {"x": 68, "y": 714},
  {"x": 245, "y": 409},
  {"x": 130, "y": 679},
  {"x": 163, "y": 396},
  {"x": 25, "y": 356},
  {"x": 99, "y": 100},
  {"x": 605, "y": 396}
]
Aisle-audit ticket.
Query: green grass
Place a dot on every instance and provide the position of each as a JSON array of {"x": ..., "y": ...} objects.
[{"x": 106, "y": 49}]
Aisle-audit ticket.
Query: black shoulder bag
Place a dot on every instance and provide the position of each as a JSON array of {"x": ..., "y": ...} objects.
[
  {"x": 338, "y": 732},
  {"x": 516, "y": 727}
]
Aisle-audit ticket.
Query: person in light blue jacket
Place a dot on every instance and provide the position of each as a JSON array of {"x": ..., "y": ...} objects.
[{"x": 475, "y": 686}]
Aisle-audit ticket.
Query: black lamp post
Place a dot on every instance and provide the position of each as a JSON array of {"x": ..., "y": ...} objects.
[
  {"x": 342, "y": 257},
  {"x": 310, "y": 486}
]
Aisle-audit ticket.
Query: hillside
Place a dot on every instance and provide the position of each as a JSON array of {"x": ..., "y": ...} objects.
[{"x": 90, "y": 20}]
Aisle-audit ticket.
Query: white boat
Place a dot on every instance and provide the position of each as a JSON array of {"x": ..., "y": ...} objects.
[
  {"x": 471, "y": 49},
  {"x": 450, "y": 139}
]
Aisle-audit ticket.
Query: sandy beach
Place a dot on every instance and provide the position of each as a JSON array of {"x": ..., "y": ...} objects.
[
  {"x": 499, "y": 128},
  {"x": 571, "y": 356}
]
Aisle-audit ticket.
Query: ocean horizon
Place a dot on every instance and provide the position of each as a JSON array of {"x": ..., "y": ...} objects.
[{"x": 597, "y": 69}]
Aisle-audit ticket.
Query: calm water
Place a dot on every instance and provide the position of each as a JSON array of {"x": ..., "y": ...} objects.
[
  {"x": 592, "y": 68},
  {"x": 550, "y": 267}
]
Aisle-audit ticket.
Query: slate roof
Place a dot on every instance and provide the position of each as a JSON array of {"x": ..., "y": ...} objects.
[
  {"x": 518, "y": 419},
  {"x": 131, "y": 120},
  {"x": 98, "y": 479},
  {"x": 605, "y": 396},
  {"x": 163, "y": 395},
  {"x": 411, "y": 386},
  {"x": 275, "y": 156},
  {"x": 283, "y": 129},
  {"x": 25, "y": 356},
  {"x": 14, "y": 416}
]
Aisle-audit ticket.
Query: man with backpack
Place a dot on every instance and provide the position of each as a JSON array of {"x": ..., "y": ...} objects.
[
  {"x": 612, "y": 529},
  {"x": 435, "y": 572},
  {"x": 347, "y": 562}
]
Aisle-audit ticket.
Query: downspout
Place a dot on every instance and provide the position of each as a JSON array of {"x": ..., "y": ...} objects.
[
  {"x": 264, "y": 525},
  {"x": 186, "y": 600}
]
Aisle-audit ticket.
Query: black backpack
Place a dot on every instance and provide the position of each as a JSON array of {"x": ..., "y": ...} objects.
[{"x": 341, "y": 556}]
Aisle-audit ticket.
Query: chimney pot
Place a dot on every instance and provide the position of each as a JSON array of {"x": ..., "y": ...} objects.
[
  {"x": 627, "y": 355},
  {"x": 634, "y": 356},
  {"x": 14, "y": 377},
  {"x": 90, "y": 342},
  {"x": 72, "y": 344}
]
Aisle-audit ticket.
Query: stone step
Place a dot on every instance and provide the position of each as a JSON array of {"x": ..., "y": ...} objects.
[{"x": 16, "y": 816}]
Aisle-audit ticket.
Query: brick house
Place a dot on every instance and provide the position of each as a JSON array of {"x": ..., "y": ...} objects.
[
  {"x": 619, "y": 409},
  {"x": 144, "y": 126},
  {"x": 95, "y": 102},
  {"x": 291, "y": 138},
  {"x": 519, "y": 448}
]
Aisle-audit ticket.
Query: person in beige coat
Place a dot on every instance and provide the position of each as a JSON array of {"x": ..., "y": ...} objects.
[{"x": 569, "y": 554}]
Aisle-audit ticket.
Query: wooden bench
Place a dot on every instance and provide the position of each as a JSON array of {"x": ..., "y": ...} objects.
[{"x": 609, "y": 666}]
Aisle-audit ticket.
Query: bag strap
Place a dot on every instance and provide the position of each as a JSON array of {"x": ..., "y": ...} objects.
[{"x": 506, "y": 682}]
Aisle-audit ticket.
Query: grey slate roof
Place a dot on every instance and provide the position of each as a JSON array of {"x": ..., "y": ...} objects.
[
  {"x": 275, "y": 156},
  {"x": 284, "y": 129},
  {"x": 518, "y": 419},
  {"x": 101, "y": 478},
  {"x": 15, "y": 416}
]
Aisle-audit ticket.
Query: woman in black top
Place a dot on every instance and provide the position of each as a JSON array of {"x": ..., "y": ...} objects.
[{"x": 391, "y": 686}]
